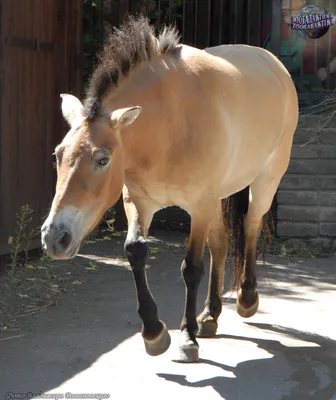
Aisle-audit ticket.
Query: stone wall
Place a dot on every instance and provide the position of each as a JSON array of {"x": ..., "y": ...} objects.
[{"x": 306, "y": 199}]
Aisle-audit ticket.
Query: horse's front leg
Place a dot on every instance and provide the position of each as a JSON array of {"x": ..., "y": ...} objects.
[
  {"x": 154, "y": 331},
  {"x": 193, "y": 270}
]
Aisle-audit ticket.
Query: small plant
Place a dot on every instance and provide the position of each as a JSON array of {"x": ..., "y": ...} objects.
[
  {"x": 31, "y": 283},
  {"x": 21, "y": 240},
  {"x": 11, "y": 284}
]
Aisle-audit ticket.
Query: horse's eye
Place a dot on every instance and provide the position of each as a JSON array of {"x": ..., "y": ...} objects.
[{"x": 103, "y": 161}]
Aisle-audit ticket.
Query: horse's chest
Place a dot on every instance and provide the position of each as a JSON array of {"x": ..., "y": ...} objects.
[{"x": 163, "y": 196}]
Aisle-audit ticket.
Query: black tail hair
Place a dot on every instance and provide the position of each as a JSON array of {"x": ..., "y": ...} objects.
[{"x": 234, "y": 210}]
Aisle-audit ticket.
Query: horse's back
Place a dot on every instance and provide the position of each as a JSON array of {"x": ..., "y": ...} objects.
[
  {"x": 242, "y": 55},
  {"x": 257, "y": 104},
  {"x": 261, "y": 73}
]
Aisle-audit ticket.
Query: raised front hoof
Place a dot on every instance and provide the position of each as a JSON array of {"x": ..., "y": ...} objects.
[
  {"x": 207, "y": 326},
  {"x": 247, "y": 303},
  {"x": 187, "y": 350},
  {"x": 160, "y": 344}
]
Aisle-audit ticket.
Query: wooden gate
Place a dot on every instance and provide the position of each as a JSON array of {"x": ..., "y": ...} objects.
[{"x": 39, "y": 59}]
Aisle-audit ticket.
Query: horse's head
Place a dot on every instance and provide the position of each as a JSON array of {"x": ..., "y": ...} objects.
[{"x": 90, "y": 176}]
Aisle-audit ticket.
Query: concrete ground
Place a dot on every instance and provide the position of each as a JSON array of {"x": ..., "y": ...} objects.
[{"x": 90, "y": 342}]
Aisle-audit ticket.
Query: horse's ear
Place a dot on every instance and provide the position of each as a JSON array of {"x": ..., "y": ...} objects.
[
  {"x": 124, "y": 116},
  {"x": 71, "y": 108}
]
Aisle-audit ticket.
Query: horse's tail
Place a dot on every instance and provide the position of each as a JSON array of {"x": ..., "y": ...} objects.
[{"x": 234, "y": 209}]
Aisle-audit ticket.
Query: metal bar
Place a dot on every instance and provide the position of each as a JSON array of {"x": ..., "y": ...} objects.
[
  {"x": 90, "y": 35},
  {"x": 235, "y": 21},
  {"x": 259, "y": 20},
  {"x": 183, "y": 19},
  {"x": 195, "y": 22},
  {"x": 102, "y": 28},
  {"x": 276, "y": 28},
  {"x": 248, "y": 22},
  {"x": 158, "y": 20},
  {"x": 170, "y": 11},
  {"x": 220, "y": 23},
  {"x": 209, "y": 23}
]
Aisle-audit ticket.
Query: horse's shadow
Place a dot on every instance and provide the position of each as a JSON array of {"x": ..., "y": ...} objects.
[{"x": 310, "y": 370}]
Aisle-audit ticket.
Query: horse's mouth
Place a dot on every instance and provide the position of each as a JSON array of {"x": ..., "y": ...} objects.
[
  {"x": 75, "y": 251},
  {"x": 68, "y": 255}
]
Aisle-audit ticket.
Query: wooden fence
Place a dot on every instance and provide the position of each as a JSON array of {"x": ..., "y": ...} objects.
[{"x": 40, "y": 57}]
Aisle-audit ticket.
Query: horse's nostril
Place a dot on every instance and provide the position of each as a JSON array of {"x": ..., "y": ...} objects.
[{"x": 64, "y": 240}]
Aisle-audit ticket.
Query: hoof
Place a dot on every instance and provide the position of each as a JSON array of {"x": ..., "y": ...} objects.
[
  {"x": 188, "y": 350},
  {"x": 207, "y": 326},
  {"x": 160, "y": 344},
  {"x": 188, "y": 354},
  {"x": 246, "y": 309}
]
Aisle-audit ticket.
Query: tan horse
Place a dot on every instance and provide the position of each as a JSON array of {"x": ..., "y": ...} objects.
[{"x": 169, "y": 124}]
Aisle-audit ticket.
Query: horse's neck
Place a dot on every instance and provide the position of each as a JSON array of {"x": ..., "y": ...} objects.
[{"x": 147, "y": 138}]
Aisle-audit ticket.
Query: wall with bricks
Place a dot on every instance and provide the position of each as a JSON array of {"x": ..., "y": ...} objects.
[{"x": 306, "y": 199}]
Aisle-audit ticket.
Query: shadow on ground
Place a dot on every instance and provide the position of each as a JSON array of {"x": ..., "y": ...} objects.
[
  {"x": 305, "y": 361},
  {"x": 93, "y": 318}
]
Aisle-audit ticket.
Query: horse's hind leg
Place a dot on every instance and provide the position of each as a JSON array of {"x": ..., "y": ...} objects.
[
  {"x": 218, "y": 245},
  {"x": 154, "y": 332},
  {"x": 193, "y": 270},
  {"x": 262, "y": 191}
]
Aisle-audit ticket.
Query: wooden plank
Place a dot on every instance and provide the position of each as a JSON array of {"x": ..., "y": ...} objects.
[
  {"x": 2, "y": 31},
  {"x": 6, "y": 249}
]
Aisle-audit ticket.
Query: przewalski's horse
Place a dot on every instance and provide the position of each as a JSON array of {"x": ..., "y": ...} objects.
[{"x": 168, "y": 124}]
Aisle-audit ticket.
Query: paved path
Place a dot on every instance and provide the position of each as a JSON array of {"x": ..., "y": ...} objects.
[{"x": 90, "y": 343}]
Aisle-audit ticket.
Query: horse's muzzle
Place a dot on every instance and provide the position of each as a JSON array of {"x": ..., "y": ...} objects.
[{"x": 58, "y": 241}]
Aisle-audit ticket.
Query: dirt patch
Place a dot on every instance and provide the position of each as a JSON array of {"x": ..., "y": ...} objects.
[{"x": 40, "y": 284}]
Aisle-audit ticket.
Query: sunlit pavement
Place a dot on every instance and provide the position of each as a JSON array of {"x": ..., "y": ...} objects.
[{"x": 90, "y": 342}]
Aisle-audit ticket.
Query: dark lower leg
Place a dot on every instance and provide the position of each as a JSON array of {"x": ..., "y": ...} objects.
[
  {"x": 213, "y": 302},
  {"x": 248, "y": 298},
  {"x": 207, "y": 320},
  {"x": 154, "y": 331},
  {"x": 192, "y": 271},
  {"x": 136, "y": 251},
  {"x": 249, "y": 281}
]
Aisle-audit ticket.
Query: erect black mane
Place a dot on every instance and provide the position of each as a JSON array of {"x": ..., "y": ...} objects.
[{"x": 127, "y": 47}]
